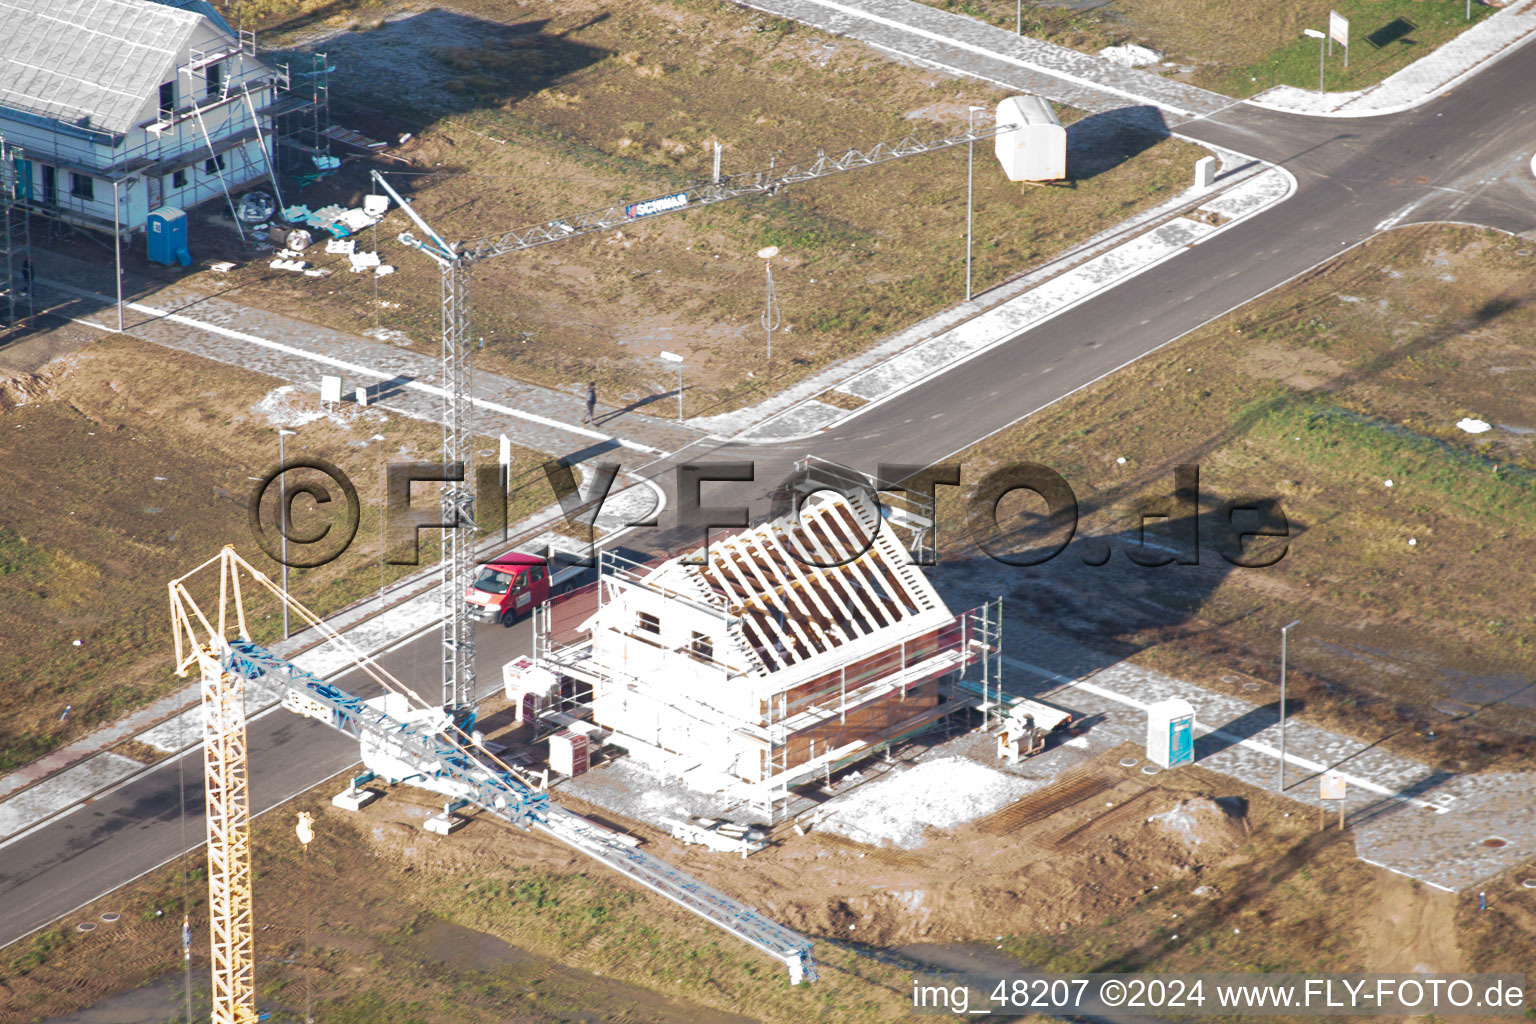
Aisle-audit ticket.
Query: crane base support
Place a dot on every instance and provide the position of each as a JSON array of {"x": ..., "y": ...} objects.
[
  {"x": 355, "y": 799},
  {"x": 444, "y": 824}
]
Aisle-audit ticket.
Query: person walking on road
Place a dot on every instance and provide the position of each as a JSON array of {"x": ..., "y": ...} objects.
[{"x": 591, "y": 416}]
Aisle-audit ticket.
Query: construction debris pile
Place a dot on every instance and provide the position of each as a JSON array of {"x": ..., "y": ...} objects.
[{"x": 295, "y": 228}]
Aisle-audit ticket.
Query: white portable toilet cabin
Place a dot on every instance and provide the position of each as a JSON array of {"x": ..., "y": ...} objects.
[
  {"x": 1036, "y": 149},
  {"x": 1171, "y": 733}
]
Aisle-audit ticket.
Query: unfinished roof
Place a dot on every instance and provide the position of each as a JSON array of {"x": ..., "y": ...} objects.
[
  {"x": 833, "y": 578},
  {"x": 90, "y": 63}
]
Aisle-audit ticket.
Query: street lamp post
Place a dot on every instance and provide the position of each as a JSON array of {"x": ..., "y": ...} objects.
[
  {"x": 1018, "y": 19},
  {"x": 771, "y": 318},
  {"x": 1321, "y": 38},
  {"x": 282, "y": 515},
  {"x": 117, "y": 252},
  {"x": 379, "y": 439},
  {"x": 673, "y": 357},
  {"x": 1283, "y": 631},
  {"x": 970, "y": 177}
]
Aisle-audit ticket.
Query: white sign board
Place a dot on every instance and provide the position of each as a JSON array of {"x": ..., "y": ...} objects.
[
  {"x": 330, "y": 389},
  {"x": 1338, "y": 28},
  {"x": 505, "y": 457},
  {"x": 1332, "y": 787}
]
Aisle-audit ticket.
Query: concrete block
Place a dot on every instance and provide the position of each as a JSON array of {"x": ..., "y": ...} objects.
[
  {"x": 1205, "y": 172},
  {"x": 355, "y": 799},
  {"x": 444, "y": 824}
]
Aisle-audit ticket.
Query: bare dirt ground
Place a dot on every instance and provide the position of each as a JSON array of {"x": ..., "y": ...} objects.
[
  {"x": 521, "y": 113},
  {"x": 1185, "y": 871},
  {"x": 125, "y": 465},
  {"x": 1410, "y": 538}
]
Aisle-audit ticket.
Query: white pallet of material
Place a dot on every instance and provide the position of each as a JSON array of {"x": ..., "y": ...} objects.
[
  {"x": 340, "y": 246},
  {"x": 355, "y": 219},
  {"x": 697, "y": 834}
]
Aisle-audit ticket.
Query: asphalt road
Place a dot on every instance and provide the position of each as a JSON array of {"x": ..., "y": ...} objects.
[{"x": 1464, "y": 157}]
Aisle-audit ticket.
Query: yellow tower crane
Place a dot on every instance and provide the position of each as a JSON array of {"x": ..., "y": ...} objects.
[{"x": 226, "y": 779}]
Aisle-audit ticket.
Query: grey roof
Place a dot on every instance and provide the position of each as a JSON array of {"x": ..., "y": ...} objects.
[{"x": 93, "y": 63}]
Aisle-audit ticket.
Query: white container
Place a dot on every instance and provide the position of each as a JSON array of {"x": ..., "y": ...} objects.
[
  {"x": 1036, "y": 150},
  {"x": 1171, "y": 733},
  {"x": 568, "y": 753}
]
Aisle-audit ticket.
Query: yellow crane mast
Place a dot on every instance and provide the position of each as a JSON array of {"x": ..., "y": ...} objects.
[{"x": 226, "y": 780}]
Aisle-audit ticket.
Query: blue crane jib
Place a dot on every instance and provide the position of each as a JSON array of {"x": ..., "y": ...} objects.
[
  {"x": 496, "y": 789},
  {"x": 445, "y": 766}
]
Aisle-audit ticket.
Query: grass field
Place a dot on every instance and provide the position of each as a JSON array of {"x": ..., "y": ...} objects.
[
  {"x": 1339, "y": 396},
  {"x": 521, "y": 114},
  {"x": 385, "y": 922},
  {"x": 1242, "y": 48},
  {"x": 116, "y": 484}
]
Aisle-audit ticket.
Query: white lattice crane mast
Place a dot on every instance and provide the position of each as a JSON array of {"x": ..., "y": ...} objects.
[{"x": 454, "y": 260}]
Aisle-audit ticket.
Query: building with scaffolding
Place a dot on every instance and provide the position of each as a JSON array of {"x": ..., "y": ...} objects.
[
  {"x": 770, "y": 658},
  {"x": 15, "y": 245},
  {"x": 125, "y": 106}
]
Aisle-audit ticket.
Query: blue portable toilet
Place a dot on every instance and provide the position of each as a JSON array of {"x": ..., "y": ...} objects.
[{"x": 166, "y": 232}]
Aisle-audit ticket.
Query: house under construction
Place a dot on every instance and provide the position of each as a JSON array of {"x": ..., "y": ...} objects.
[
  {"x": 771, "y": 657},
  {"x": 124, "y": 106}
]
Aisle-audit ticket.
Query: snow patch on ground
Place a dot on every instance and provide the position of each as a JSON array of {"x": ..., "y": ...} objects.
[
  {"x": 290, "y": 406},
  {"x": 1131, "y": 55},
  {"x": 941, "y": 793}
]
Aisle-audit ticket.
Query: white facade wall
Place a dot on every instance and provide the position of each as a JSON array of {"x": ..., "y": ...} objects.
[
  {"x": 654, "y": 689},
  {"x": 69, "y": 151}
]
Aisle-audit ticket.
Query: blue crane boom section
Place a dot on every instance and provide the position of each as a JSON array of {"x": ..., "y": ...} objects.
[{"x": 501, "y": 791}]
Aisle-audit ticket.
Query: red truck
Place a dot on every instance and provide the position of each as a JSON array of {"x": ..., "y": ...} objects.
[{"x": 512, "y": 585}]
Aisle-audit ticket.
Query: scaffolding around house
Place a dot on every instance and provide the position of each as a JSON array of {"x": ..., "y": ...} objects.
[
  {"x": 789, "y": 651},
  {"x": 209, "y": 118},
  {"x": 15, "y": 244},
  {"x": 301, "y": 117},
  {"x": 219, "y": 129}
]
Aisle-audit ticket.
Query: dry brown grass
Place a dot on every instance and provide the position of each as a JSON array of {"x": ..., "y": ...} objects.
[
  {"x": 521, "y": 120},
  {"x": 1318, "y": 394},
  {"x": 116, "y": 483}
]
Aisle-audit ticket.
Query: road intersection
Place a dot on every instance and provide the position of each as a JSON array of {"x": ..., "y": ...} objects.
[{"x": 1462, "y": 157}]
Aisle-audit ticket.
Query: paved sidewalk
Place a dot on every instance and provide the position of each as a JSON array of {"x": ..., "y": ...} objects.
[
  {"x": 1405, "y": 816},
  {"x": 181, "y": 316},
  {"x": 1426, "y": 78},
  {"x": 963, "y": 45},
  {"x": 955, "y": 42},
  {"x": 961, "y": 333}
]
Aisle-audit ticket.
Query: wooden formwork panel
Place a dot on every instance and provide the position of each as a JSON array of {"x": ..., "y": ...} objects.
[
  {"x": 868, "y": 723},
  {"x": 830, "y": 685}
]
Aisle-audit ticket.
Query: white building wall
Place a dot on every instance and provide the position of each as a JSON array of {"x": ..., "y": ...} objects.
[{"x": 182, "y": 147}]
